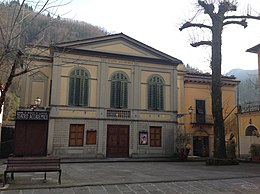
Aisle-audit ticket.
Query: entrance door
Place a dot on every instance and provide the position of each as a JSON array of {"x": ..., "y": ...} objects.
[
  {"x": 201, "y": 146},
  {"x": 117, "y": 141},
  {"x": 31, "y": 138}
]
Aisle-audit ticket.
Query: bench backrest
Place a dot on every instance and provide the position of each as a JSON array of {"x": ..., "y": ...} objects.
[{"x": 33, "y": 161}]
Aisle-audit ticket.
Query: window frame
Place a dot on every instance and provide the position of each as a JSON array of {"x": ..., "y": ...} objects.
[
  {"x": 156, "y": 93},
  {"x": 153, "y": 136},
  {"x": 76, "y": 127},
  {"x": 119, "y": 90},
  {"x": 90, "y": 133},
  {"x": 78, "y": 88}
]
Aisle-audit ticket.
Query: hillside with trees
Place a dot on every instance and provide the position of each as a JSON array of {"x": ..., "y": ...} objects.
[
  {"x": 248, "y": 88},
  {"x": 37, "y": 28}
]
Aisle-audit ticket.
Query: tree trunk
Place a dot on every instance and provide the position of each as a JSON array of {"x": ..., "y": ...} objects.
[
  {"x": 219, "y": 131},
  {"x": 7, "y": 85}
]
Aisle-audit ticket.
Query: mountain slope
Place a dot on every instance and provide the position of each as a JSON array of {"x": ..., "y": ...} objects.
[{"x": 248, "y": 88}]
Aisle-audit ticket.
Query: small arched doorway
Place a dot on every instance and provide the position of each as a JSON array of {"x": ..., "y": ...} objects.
[{"x": 201, "y": 143}]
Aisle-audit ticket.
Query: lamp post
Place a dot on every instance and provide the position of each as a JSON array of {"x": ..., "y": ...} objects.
[{"x": 190, "y": 110}]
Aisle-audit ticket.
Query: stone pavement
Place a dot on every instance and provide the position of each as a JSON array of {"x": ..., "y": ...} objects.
[{"x": 141, "y": 177}]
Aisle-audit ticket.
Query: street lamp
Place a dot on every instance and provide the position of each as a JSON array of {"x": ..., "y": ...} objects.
[
  {"x": 190, "y": 110},
  {"x": 37, "y": 102}
]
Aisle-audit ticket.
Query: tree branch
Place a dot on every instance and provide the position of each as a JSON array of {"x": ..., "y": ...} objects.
[
  {"x": 208, "y": 8},
  {"x": 226, "y": 6},
  {"x": 201, "y": 43},
  {"x": 188, "y": 24},
  {"x": 242, "y": 23},
  {"x": 242, "y": 17}
]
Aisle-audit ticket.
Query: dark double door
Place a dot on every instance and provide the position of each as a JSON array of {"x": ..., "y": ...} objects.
[
  {"x": 201, "y": 146},
  {"x": 31, "y": 138},
  {"x": 117, "y": 141}
]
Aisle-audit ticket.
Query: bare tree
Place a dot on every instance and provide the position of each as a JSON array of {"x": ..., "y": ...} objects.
[
  {"x": 217, "y": 12},
  {"x": 19, "y": 17}
]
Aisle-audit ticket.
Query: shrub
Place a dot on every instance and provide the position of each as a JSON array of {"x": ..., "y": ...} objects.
[{"x": 255, "y": 150}]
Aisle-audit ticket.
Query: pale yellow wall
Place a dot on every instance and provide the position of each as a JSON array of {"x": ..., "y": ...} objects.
[
  {"x": 195, "y": 92},
  {"x": 119, "y": 48},
  {"x": 38, "y": 91},
  {"x": 228, "y": 99},
  {"x": 93, "y": 92},
  {"x": 112, "y": 70},
  {"x": 144, "y": 93},
  {"x": 246, "y": 141},
  {"x": 33, "y": 86},
  {"x": 68, "y": 68},
  {"x": 198, "y": 91}
]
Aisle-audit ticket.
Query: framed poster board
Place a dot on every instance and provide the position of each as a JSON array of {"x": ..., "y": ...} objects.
[{"x": 143, "y": 138}]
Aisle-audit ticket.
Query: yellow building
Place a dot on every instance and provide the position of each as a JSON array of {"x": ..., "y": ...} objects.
[
  {"x": 109, "y": 96},
  {"x": 195, "y": 109}
]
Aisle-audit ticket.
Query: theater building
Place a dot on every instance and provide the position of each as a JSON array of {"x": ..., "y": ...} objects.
[{"x": 109, "y": 96}]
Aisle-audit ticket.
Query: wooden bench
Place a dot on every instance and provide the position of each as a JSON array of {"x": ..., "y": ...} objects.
[{"x": 32, "y": 164}]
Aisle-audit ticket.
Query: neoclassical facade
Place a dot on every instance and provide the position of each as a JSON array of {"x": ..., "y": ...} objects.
[{"x": 109, "y": 96}]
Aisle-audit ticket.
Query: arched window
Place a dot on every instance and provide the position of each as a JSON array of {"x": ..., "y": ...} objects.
[
  {"x": 251, "y": 131},
  {"x": 78, "y": 88},
  {"x": 119, "y": 91},
  {"x": 156, "y": 93}
]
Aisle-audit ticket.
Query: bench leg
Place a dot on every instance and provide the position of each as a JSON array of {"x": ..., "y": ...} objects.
[
  {"x": 59, "y": 177},
  {"x": 12, "y": 176},
  {"x": 4, "y": 181},
  {"x": 45, "y": 179}
]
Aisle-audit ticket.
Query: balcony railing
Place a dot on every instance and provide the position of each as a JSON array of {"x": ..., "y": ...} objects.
[
  {"x": 249, "y": 107},
  {"x": 197, "y": 119},
  {"x": 114, "y": 113}
]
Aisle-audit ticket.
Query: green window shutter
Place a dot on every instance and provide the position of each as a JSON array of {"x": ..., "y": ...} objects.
[
  {"x": 112, "y": 98},
  {"x": 85, "y": 92},
  {"x": 77, "y": 92},
  {"x": 160, "y": 97},
  {"x": 117, "y": 94},
  {"x": 155, "y": 93},
  {"x": 78, "y": 88},
  {"x": 119, "y": 91},
  {"x": 123, "y": 94}
]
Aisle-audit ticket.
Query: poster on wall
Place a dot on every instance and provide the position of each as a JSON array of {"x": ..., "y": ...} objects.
[{"x": 143, "y": 138}]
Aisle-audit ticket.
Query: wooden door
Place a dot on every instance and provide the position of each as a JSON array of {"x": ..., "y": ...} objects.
[
  {"x": 31, "y": 138},
  {"x": 117, "y": 141}
]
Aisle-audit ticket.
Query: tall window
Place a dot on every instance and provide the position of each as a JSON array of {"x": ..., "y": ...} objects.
[
  {"x": 78, "y": 88},
  {"x": 200, "y": 111},
  {"x": 76, "y": 135},
  {"x": 119, "y": 91},
  {"x": 156, "y": 93},
  {"x": 155, "y": 136}
]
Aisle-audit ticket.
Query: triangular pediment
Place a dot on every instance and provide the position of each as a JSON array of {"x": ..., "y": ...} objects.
[
  {"x": 118, "y": 47},
  {"x": 118, "y": 44}
]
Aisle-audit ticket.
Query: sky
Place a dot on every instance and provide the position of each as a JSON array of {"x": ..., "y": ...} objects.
[{"x": 156, "y": 23}]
